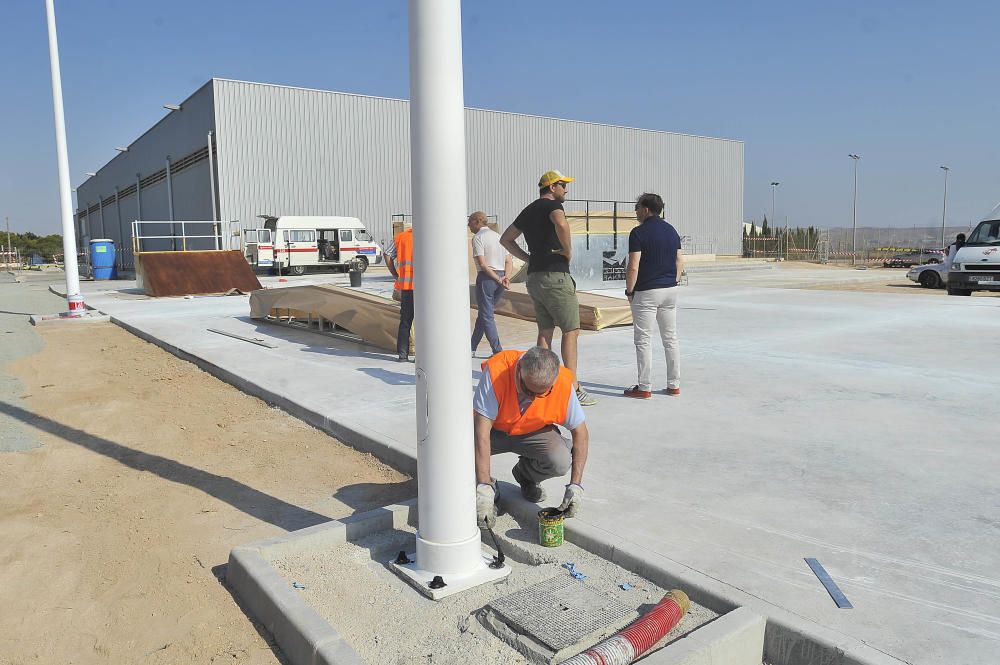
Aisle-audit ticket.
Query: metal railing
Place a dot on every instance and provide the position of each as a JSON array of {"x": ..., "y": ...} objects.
[{"x": 178, "y": 242}]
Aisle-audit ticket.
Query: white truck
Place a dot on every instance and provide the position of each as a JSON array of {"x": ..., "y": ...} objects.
[
  {"x": 976, "y": 266},
  {"x": 293, "y": 244}
]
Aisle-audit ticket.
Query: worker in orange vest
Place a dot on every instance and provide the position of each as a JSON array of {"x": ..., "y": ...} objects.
[
  {"x": 399, "y": 260},
  {"x": 521, "y": 398}
]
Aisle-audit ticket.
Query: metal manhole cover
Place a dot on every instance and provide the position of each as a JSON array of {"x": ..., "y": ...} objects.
[{"x": 561, "y": 611}]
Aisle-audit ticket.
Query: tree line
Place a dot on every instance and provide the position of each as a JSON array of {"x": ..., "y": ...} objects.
[
  {"x": 799, "y": 237},
  {"x": 29, "y": 243}
]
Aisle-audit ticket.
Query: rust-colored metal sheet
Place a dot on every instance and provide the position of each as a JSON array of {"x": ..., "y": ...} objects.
[{"x": 193, "y": 273}]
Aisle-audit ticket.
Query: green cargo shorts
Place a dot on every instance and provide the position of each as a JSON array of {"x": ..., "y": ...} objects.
[{"x": 554, "y": 297}]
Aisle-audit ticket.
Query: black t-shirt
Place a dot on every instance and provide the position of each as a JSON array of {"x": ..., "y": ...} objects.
[{"x": 540, "y": 234}]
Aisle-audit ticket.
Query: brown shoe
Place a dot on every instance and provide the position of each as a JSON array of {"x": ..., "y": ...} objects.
[
  {"x": 637, "y": 394},
  {"x": 673, "y": 392}
]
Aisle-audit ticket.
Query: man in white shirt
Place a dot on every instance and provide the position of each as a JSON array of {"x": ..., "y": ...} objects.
[{"x": 494, "y": 266}]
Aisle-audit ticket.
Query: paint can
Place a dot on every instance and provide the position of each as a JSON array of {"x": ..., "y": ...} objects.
[{"x": 550, "y": 527}]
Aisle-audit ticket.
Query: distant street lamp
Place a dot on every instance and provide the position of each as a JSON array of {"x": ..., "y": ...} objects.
[
  {"x": 944, "y": 206},
  {"x": 90, "y": 173},
  {"x": 774, "y": 186},
  {"x": 121, "y": 149},
  {"x": 172, "y": 107},
  {"x": 854, "y": 236}
]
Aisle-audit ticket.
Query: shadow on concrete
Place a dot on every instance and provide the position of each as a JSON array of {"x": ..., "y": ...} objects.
[
  {"x": 389, "y": 377},
  {"x": 242, "y": 497},
  {"x": 5, "y": 311}
]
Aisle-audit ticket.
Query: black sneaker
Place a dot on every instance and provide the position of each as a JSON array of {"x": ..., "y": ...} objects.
[
  {"x": 403, "y": 358},
  {"x": 533, "y": 492}
]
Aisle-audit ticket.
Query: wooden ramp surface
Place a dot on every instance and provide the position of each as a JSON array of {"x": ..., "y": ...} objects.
[
  {"x": 596, "y": 312},
  {"x": 193, "y": 273}
]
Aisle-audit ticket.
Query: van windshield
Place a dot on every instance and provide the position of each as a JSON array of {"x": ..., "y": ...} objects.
[{"x": 987, "y": 233}]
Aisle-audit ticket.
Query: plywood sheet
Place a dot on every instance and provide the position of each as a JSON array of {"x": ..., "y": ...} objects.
[
  {"x": 596, "y": 311},
  {"x": 192, "y": 273},
  {"x": 372, "y": 318}
]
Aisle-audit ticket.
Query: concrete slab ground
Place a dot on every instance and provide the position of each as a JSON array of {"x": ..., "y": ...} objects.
[
  {"x": 21, "y": 296},
  {"x": 854, "y": 427}
]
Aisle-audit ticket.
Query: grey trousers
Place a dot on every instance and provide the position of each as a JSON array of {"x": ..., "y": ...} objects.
[{"x": 542, "y": 454}]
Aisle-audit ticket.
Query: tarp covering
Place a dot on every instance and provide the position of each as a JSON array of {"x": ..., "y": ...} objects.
[
  {"x": 596, "y": 312},
  {"x": 372, "y": 318},
  {"x": 192, "y": 273}
]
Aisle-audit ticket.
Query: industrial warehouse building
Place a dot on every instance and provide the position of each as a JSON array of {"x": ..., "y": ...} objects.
[{"x": 235, "y": 151}]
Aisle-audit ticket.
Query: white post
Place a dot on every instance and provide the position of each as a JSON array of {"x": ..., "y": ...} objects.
[
  {"x": 73, "y": 298},
  {"x": 448, "y": 539},
  {"x": 211, "y": 182},
  {"x": 944, "y": 205}
]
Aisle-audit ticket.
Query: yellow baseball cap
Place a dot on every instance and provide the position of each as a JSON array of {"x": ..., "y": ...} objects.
[{"x": 551, "y": 177}]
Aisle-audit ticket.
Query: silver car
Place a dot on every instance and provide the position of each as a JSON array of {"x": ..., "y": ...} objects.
[{"x": 930, "y": 275}]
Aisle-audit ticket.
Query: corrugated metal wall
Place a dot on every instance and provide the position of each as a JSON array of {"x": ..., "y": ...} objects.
[
  {"x": 293, "y": 151},
  {"x": 176, "y": 136}
]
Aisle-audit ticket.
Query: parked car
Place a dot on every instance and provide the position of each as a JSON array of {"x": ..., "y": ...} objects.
[
  {"x": 930, "y": 275},
  {"x": 911, "y": 259}
]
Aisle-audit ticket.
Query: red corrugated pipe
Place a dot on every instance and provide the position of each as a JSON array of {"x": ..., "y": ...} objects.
[{"x": 636, "y": 639}]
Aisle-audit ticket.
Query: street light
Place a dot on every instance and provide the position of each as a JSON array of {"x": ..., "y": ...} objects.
[
  {"x": 121, "y": 149},
  {"x": 854, "y": 236},
  {"x": 944, "y": 206},
  {"x": 172, "y": 107},
  {"x": 90, "y": 173},
  {"x": 774, "y": 186}
]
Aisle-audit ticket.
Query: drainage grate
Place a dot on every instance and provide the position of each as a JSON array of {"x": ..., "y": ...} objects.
[{"x": 561, "y": 611}]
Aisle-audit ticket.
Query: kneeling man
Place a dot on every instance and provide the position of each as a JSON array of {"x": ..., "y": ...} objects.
[{"x": 522, "y": 396}]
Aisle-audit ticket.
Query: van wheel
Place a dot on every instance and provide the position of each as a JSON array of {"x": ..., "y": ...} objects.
[
  {"x": 297, "y": 270},
  {"x": 930, "y": 280},
  {"x": 362, "y": 263}
]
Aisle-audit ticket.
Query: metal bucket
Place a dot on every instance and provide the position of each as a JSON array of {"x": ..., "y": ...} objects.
[
  {"x": 550, "y": 527},
  {"x": 355, "y": 276}
]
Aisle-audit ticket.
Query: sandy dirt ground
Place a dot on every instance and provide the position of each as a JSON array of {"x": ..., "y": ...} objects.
[{"x": 116, "y": 530}]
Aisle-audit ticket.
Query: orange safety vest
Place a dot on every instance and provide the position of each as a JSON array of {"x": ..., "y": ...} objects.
[
  {"x": 542, "y": 412},
  {"x": 404, "y": 260}
]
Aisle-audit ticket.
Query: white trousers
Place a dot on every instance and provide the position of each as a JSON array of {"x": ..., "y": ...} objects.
[{"x": 656, "y": 306}]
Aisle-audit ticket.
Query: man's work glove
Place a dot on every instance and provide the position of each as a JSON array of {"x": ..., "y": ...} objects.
[
  {"x": 572, "y": 500},
  {"x": 486, "y": 505}
]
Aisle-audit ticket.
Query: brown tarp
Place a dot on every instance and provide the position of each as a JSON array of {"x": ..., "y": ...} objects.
[
  {"x": 596, "y": 312},
  {"x": 192, "y": 273},
  {"x": 372, "y": 318}
]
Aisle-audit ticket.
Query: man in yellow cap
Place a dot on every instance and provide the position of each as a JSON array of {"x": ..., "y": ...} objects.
[{"x": 552, "y": 290}]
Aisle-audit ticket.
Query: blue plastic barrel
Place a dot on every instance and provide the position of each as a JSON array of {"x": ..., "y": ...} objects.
[{"x": 102, "y": 258}]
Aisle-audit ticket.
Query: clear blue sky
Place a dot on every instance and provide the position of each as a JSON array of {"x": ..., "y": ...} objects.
[{"x": 908, "y": 85}]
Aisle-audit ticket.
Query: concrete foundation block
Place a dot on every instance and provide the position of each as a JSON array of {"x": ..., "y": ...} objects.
[{"x": 736, "y": 638}]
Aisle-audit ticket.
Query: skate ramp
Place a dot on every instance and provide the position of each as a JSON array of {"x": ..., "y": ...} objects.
[{"x": 194, "y": 273}]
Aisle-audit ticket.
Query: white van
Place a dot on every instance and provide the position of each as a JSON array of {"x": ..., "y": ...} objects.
[
  {"x": 976, "y": 266},
  {"x": 291, "y": 244}
]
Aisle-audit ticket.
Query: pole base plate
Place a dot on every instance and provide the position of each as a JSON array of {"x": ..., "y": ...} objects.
[{"x": 421, "y": 579}]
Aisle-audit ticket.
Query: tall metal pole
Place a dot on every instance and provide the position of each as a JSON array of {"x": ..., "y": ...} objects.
[
  {"x": 9, "y": 247},
  {"x": 170, "y": 208},
  {"x": 854, "y": 235},
  {"x": 73, "y": 297},
  {"x": 944, "y": 206},
  {"x": 448, "y": 540},
  {"x": 211, "y": 182},
  {"x": 774, "y": 222}
]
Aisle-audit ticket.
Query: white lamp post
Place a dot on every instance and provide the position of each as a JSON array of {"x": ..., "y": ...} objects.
[
  {"x": 449, "y": 551},
  {"x": 944, "y": 206},
  {"x": 774, "y": 186},
  {"x": 75, "y": 302},
  {"x": 854, "y": 235}
]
